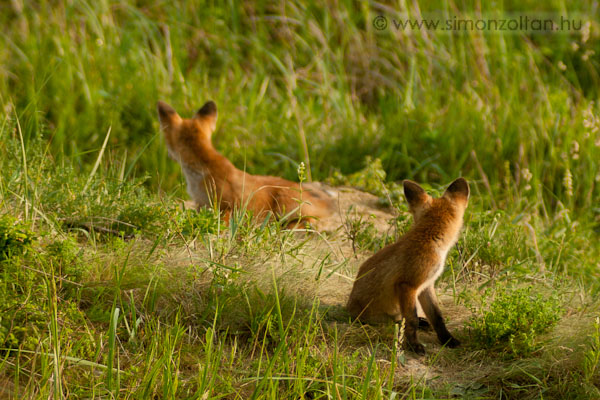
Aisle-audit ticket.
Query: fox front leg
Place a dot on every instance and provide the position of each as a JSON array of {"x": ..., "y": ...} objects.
[{"x": 408, "y": 307}]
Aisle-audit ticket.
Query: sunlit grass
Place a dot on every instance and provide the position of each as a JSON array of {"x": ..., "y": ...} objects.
[
  {"x": 514, "y": 107},
  {"x": 110, "y": 288}
]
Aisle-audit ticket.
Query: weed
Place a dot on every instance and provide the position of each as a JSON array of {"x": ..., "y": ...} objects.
[
  {"x": 372, "y": 179},
  {"x": 513, "y": 321},
  {"x": 591, "y": 358},
  {"x": 16, "y": 237}
]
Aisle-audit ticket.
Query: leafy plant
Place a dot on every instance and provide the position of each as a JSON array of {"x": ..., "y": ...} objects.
[
  {"x": 591, "y": 358},
  {"x": 372, "y": 178},
  {"x": 193, "y": 222},
  {"x": 362, "y": 233},
  {"x": 15, "y": 237},
  {"x": 514, "y": 320}
]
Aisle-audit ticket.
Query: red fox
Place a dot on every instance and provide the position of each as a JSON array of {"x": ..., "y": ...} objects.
[
  {"x": 209, "y": 175},
  {"x": 390, "y": 282}
]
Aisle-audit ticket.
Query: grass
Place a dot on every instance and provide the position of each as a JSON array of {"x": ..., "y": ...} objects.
[{"x": 111, "y": 288}]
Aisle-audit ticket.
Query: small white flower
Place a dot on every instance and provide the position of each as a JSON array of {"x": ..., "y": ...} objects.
[
  {"x": 591, "y": 122},
  {"x": 301, "y": 170},
  {"x": 587, "y": 54},
  {"x": 526, "y": 174},
  {"x": 585, "y": 31},
  {"x": 575, "y": 150},
  {"x": 574, "y": 46},
  {"x": 568, "y": 183}
]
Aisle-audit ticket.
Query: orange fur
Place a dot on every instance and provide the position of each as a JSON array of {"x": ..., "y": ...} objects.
[
  {"x": 210, "y": 176},
  {"x": 393, "y": 280}
]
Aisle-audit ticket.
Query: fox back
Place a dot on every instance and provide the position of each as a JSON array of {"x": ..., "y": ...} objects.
[
  {"x": 212, "y": 179},
  {"x": 388, "y": 283}
]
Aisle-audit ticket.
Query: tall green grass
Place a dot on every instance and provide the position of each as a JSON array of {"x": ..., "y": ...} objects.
[{"x": 295, "y": 81}]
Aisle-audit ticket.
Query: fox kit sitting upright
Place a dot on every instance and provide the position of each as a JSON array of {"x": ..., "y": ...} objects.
[
  {"x": 211, "y": 176},
  {"x": 390, "y": 283}
]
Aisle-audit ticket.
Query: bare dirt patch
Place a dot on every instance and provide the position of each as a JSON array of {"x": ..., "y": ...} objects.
[{"x": 325, "y": 268}]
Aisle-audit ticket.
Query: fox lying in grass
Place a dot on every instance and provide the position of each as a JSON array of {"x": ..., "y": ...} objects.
[
  {"x": 390, "y": 283},
  {"x": 210, "y": 176}
]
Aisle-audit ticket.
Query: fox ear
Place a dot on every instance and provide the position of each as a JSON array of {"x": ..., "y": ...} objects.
[
  {"x": 458, "y": 189},
  {"x": 415, "y": 194},
  {"x": 208, "y": 114},
  {"x": 167, "y": 115}
]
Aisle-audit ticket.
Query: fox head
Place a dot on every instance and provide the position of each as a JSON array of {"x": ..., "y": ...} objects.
[
  {"x": 453, "y": 201},
  {"x": 183, "y": 135}
]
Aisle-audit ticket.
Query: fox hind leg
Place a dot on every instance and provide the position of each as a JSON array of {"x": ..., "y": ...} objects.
[{"x": 430, "y": 305}]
